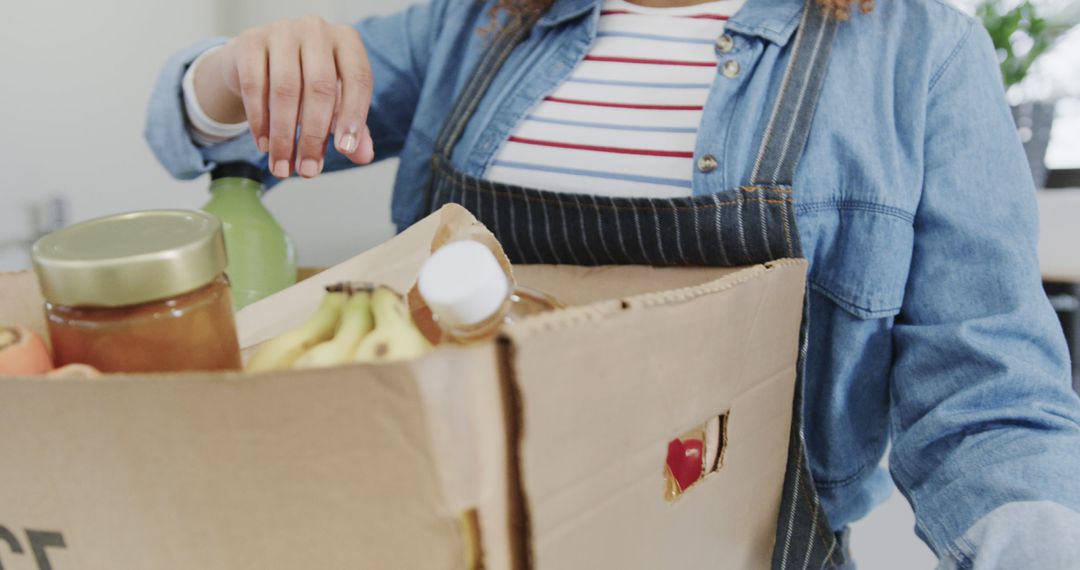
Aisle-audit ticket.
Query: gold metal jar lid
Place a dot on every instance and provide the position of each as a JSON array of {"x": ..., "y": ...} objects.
[{"x": 127, "y": 259}]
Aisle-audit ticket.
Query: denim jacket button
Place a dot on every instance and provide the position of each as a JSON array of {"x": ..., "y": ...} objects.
[
  {"x": 706, "y": 163},
  {"x": 724, "y": 43},
  {"x": 730, "y": 69}
]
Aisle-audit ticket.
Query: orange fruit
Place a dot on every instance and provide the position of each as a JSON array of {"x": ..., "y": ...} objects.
[{"x": 22, "y": 352}]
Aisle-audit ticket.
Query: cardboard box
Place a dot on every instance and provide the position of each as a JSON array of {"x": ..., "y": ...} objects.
[{"x": 556, "y": 433}]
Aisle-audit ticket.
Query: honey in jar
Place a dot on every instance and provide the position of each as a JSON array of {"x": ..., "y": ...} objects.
[{"x": 139, "y": 292}]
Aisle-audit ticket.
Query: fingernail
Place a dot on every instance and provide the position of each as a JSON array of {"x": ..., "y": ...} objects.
[
  {"x": 348, "y": 143},
  {"x": 321, "y": 162},
  {"x": 367, "y": 147},
  {"x": 281, "y": 169},
  {"x": 264, "y": 144},
  {"x": 309, "y": 168}
]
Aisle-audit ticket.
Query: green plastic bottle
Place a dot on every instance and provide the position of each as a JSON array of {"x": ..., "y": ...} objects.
[{"x": 262, "y": 259}]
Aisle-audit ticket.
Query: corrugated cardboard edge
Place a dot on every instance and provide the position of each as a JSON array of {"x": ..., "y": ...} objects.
[
  {"x": 517, "y": 514},
  {"x": 522, "y": 552},
  {"x": 573, "y": 316},
  {"x": 466, "y": 418}
]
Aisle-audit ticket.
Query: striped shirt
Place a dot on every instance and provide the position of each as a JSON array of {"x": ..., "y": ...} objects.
[{"x": 625, "y": 122}]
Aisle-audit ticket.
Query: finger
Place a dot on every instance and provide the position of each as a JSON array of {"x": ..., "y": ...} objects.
[
  {"x": 351, "y": 136},
  {"x": 320, "y": 93},
  {"x": 284, "y": 98},
  {"x": 337, "y": 108},
  {"x": 251, "y": 68}
]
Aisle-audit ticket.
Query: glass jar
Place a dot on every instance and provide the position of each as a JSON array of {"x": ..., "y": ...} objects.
[
  {"x": 139, "y": 292},
  {"x": 470, "y": 296}
]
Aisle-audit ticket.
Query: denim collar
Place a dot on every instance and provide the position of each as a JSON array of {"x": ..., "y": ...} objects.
[{"x": 773, "y": 20}]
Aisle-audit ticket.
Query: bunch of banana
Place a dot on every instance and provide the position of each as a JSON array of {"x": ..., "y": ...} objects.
[
  {"x": 284, "y": 350},
  {"x": 352, "y": 324},
  {"x": 356, "y": 321},
  {"x": 395, "y": 336}
]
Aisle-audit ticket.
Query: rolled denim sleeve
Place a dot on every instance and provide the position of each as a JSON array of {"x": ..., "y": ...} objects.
[
  {"x": 1019, "y": 535},
  {"x": 166, "y": 124},
  {"x": 983, "y": 412},
  {"x": 399, "y": 49}
]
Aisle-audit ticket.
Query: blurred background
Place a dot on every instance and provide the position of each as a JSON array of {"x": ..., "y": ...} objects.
[
  {"x": 75, "y": 78},
  {"x": 74, "y": 82}
]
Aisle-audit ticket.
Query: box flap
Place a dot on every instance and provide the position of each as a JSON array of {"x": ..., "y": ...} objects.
[
  {"x": 574, "y": 285},
  {"x": 351, "y": 467},
  {"x": 601, "y": 402},
  {"x": 335, "y": 469},
  {"x": 395, "y": 263}
]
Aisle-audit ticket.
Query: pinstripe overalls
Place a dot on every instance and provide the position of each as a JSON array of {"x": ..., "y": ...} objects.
[{"x": 751, "y": 224}]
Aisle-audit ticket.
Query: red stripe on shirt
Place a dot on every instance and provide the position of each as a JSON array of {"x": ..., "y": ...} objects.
[
  {"x": 612, "y": 59},
  {"x": 638, "y": 151},
  {"x": 695, "y": 16},
  {"x": 626, "y": 105}
]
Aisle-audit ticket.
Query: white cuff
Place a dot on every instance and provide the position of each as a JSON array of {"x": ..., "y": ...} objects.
[{"x": 204, "y": 130}]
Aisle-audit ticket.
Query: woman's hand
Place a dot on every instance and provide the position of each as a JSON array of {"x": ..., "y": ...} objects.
[{"x": 302, "y": 73}]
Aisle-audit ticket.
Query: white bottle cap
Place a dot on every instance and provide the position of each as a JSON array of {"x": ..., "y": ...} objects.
[{"x": 463, "y": 283}]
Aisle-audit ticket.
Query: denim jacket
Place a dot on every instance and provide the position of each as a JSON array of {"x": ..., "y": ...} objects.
[{"x": 929, "y": 328}]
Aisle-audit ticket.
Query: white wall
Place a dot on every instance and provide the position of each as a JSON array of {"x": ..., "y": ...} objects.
[
  {"x": 73, "y": 89},
  {"x": 885, "y": 539}
]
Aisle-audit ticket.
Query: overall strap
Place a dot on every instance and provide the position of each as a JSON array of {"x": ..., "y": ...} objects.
[
  {"x": 804, "y": 537},
  {"x": 504, "y": 40},
  {"x": 789, "y": 125}
]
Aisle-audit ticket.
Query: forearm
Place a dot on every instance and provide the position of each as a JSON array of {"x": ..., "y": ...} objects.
[
  {"x": 204, "y": 130},
  {"x": 215, "y": 97},
  {"x": 167, "y": 130}
]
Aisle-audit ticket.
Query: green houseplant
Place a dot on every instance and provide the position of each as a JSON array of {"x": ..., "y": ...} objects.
[{"x": 1022, "y": 33}]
